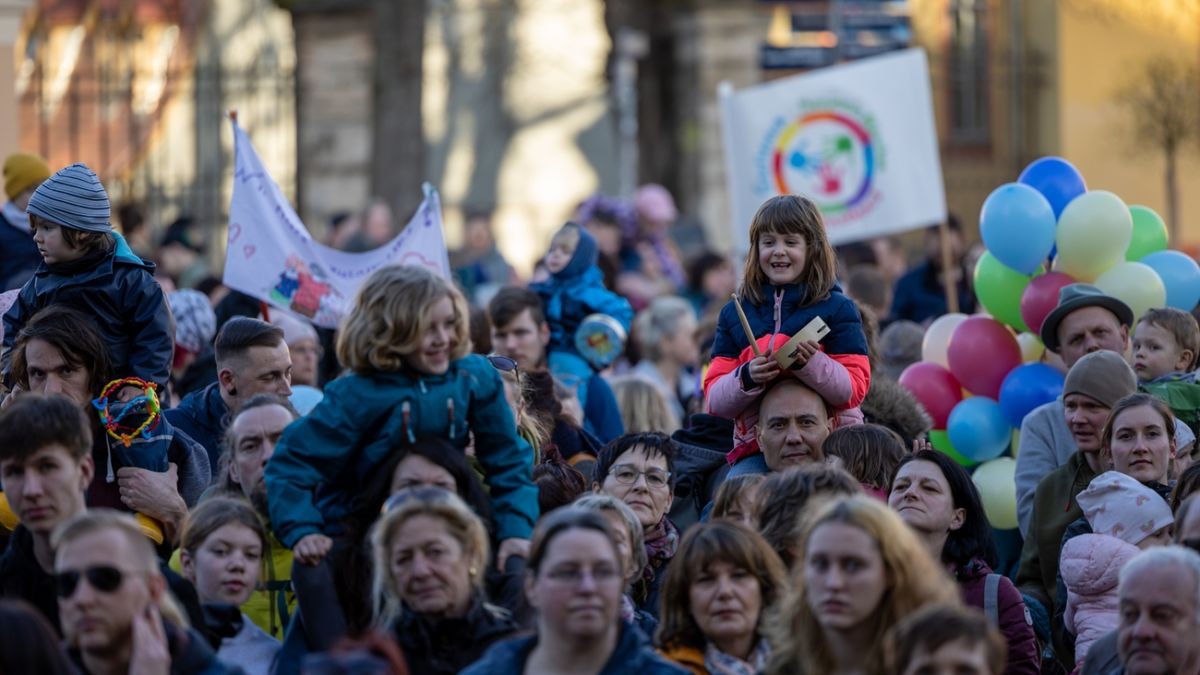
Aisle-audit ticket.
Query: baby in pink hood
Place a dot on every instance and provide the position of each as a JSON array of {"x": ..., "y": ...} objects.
[{"x": 1126, "y": 517}]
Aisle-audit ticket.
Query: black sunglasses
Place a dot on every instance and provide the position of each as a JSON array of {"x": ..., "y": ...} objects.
[
  {"x": 505, "y": 365},
  {"x": 103, "y": 578},
  {"x": 424, "y": 493}
]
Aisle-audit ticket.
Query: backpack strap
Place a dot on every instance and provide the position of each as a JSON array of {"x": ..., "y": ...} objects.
[{"x": 991, "y": 598}]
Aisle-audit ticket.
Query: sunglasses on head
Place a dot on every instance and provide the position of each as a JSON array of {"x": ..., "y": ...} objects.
[
  {"x": 425, "y": 493},
  {"x": 505, "y": 365},
  {"x": 103, "y": 578}
]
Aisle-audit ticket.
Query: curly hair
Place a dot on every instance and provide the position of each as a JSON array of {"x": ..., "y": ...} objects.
[
  {"x": 914, "y": 581},
  {"x": 390, "y": 316}
]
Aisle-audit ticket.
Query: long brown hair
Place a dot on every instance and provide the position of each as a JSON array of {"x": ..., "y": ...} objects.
[
  {"x": 1135, "y": 401},
  {"x": 791, "y": 214},
  {"x": 914, "y": 581}
]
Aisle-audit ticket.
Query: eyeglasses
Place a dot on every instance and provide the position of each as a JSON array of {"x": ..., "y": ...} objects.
[
  {"x": 103, "y": 578},
  {"x": 573, "y": 576},
  {"x": 627, "y": 475},
  {"x": 426, "y": 494}
]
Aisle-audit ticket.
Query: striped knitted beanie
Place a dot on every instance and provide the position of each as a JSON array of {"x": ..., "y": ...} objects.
[{"x": 73, "y": 198}]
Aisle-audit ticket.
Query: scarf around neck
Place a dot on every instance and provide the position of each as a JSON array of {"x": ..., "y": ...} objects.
[
  {"x": 16, "y": 217},
  {"x": 661, "y": 542},
  {"x": 717, "y": 662}
]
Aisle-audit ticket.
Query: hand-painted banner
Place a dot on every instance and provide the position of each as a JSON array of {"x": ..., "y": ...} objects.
[
  {"x": 858, "y": 139},
  {"x": 272, "y": 256}
]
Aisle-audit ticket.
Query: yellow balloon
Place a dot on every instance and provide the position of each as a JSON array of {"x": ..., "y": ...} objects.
[
  {"x": 1031, "y": 348},
  {"x": 1093, "y": 233},
  {"x": 937, "y": 338},
  {"x": 998, "y": 491},
  {"x": 1135, "y": 284}
]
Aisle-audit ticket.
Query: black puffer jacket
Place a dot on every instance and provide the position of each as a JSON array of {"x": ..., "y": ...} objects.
[
  {"x": 446, "y": 646},
  {"x": 128, "y": 306},
  {"x": 700, "y": 465}
]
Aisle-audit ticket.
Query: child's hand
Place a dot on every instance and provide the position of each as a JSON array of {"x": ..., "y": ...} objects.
[
  {"x": 804, "y": 352},
  {"x": 128, "y": 393},
  {"x": 920, "y": 444},
  {"x": 511, "y": 547},
  {"x": 311, "y": 549},
  {"x": 763, "y": 368},
  {"x": 11, "y": 396}
]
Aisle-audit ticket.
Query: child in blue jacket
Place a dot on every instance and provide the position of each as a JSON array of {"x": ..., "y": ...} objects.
[
  {"x": 574, "y": 291},
  {"x": 88, "y": 267},
  {"x": 407, "y": 346}
]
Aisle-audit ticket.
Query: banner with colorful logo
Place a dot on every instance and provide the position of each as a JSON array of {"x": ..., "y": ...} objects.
[
  {"x": 858, "y": 139},
  {"x": 272, "y": 256}
]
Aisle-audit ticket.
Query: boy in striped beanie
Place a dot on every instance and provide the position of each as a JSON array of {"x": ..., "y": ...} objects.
[{"x": 89, "y": 267}]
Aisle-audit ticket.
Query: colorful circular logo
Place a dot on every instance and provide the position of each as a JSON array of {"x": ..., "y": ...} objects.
[{"x": 826, "y": 156}]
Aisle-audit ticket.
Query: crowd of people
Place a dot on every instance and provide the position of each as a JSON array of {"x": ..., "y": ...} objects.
[{"x": 614, "y": 468}]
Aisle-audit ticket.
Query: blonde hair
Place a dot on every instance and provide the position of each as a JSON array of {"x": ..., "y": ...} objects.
[
  {"x": 95, "y": 520},
  {"x": 534, "y": 429},
  {"x": 791, "y": 214},
  {"x": 642, "y": 406},
  {"x": 914, "y": 581},
  {"x": 461, "y": 523},
  {"x": 390, "y": 316}
]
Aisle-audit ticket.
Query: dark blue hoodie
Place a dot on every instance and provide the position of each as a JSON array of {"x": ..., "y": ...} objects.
[{"x": 576, "y": 291}]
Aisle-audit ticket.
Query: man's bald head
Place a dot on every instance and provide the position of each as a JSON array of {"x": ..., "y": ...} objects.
[{"x": 793, "y": 422}]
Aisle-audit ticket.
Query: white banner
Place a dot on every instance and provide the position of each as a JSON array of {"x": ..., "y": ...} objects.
[
  {"x": 858, "y": 139},
  {"x": 272, "y": 257}
]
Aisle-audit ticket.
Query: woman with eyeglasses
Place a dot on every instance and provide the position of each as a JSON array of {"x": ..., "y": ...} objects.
[
  {"x": 718, "y": 590},
  {"x": 430, "y": 553},
  {"x": 637, "y": 469},
  {"x": 574, "y": 580},
  {"x": 221, "y": 549}
]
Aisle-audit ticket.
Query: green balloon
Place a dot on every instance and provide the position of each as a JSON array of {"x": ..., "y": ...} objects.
[
  {"x": 940, "y": 440},
  {"x": 1149, "y": 233},
  {"x": 999, "y": 290}
]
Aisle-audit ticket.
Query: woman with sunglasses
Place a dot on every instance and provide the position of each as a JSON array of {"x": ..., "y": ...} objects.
[
  {"x": 574, "y": 580},
  {"x": 221, "y": 550},
  {"x": 637, "y": 469},
  {"x": 430, "y": 554}
]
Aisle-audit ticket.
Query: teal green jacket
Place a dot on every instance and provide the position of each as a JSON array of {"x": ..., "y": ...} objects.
[{"x": 315, "y": 478}]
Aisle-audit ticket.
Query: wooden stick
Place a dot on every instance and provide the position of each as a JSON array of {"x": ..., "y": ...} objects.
[
  {"x": 948, "y": 283},
  {"x": 233, "y": 115},
  {"x": 745, "y": 324}
]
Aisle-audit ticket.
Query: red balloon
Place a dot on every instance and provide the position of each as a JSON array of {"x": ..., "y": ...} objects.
[
  {"x": 1041, "y": 296},
  {"x": 981, "y": 352},
  {"x": 935, "y": 388}
]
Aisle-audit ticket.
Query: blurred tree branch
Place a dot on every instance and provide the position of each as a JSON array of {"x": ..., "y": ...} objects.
[
  {"x": 1163, "y": 106},
  {"x": 398, "y": 157}
]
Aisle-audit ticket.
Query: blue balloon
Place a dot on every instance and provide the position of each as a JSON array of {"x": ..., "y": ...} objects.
[
  {"x": 1018, "y": 227},
  {"x": 1180, "y": 275},
  {"x": 978, "y": 430},
  {"x": 1057, "y": 180},
  {"x": 1027, "y": 387}
]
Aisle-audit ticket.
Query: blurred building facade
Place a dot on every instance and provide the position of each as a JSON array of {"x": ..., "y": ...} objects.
[{"x": 522, "y": 102}]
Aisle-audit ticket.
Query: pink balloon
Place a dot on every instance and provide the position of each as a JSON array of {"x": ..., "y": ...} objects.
[
  {"x": 1040, "y": 297},
  {"x": 935, "y": 388},
  {"x": 982, "y": 351}
]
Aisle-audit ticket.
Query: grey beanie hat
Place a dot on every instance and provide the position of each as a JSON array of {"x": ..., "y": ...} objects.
[
  {"x": 1102, "y": 375},
  {"x": 73, "y": 198}
]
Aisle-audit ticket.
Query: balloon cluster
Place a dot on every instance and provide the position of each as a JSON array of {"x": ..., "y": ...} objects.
[{"x": 980, "y": 375}]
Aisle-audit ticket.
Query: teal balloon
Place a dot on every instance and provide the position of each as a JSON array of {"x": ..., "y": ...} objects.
[
  {"x": 1149, "y": 233},
  {"x": 999, "y": 289},
  {"x": 1180, "y": 275},
  {"x": 978, "y": 429},
  {"x": 1018, "y": 224}
]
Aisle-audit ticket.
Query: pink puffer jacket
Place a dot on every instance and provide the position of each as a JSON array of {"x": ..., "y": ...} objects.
[{"x": 1090, "y": 565}]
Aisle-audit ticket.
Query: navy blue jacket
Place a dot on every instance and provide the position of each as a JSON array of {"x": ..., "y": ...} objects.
[
  {"x": 601, "y": 416},
  {"x": 315, "y": 478},
  {"x": 633, "y": 654},
  {"x": 919, "y": 295},
  {"x": 129, "y": 307},
  {"x": 19, "y": 256},
  {"x": 202, "y": 415}
]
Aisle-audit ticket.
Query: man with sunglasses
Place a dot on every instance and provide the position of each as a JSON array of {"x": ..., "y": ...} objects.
[
  {"x": 117, "y": 615},
  {"x": 45, "y": 467}
]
